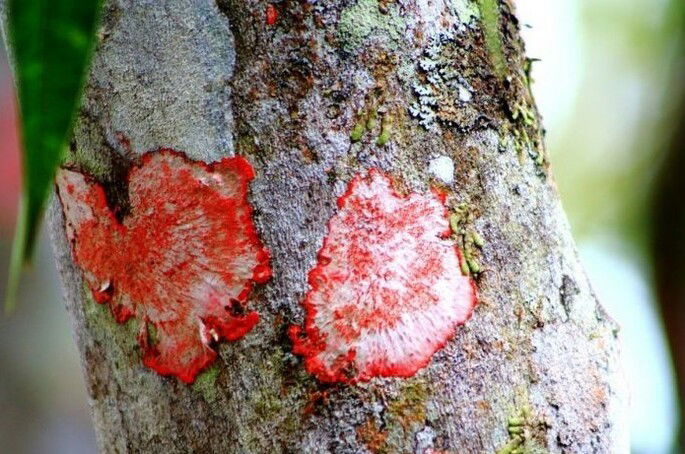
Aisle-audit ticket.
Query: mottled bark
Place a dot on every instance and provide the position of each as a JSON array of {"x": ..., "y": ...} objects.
[{"x": 214, "y": 79}]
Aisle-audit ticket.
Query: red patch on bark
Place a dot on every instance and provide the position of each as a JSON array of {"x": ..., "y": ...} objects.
[
  {"x": 183, "y": 260},
  {"x": 387, "y": 291},
  {"x": 271, "y": 15}
]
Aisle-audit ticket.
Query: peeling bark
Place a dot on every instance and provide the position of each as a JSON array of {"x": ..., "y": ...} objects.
[{"x": 320, "y": 92}]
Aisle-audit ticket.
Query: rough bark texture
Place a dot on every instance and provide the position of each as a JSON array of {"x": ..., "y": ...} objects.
[{"x": 213, "y": 79}]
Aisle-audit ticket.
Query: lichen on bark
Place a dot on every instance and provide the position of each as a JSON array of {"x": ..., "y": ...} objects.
[{"x": 212, "y": 79}]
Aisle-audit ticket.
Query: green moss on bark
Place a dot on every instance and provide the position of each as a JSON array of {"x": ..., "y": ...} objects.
[{"x": 364, "y": 20}]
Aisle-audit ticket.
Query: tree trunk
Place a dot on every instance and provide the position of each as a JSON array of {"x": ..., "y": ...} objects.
[{"x": 312, "y": 93}]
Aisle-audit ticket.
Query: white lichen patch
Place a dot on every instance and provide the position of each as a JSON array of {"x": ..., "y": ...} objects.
[
  {"x": 466, "y": 10},
  {"x": 364, "y": 20},
  {"x": 443, "y": 93},
  {"x": 464, "y": 94},
  {"x": 438, "y": 15},
  {"x": 442, "y": 168}
]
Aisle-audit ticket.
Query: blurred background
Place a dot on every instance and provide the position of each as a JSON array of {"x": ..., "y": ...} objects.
[{"x": 610, "y": 85}]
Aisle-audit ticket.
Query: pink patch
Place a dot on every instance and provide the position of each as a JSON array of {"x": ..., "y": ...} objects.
[
  {"x": 183, "y": 260},
  {"x": 387, "y": 291},
  {"x": 10, "y": 166}
]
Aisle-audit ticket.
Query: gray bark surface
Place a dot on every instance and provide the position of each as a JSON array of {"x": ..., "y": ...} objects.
[{"x": 213, "y": 79}]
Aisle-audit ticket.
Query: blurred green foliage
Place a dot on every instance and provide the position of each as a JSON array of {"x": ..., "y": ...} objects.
[
  {"x": 51, "y": 42},
  {"x": 625, "y": 109}
]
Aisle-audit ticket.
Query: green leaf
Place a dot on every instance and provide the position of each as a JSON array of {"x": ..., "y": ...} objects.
[{"x": 51, "y": 42}]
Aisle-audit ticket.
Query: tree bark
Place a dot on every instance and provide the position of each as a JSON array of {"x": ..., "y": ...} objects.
[{"x": 538, "y": 356}]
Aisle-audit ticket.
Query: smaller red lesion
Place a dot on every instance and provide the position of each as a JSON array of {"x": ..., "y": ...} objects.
[
  {"x": 387, "y": 291},
  {"x": 271, "y": 14}
]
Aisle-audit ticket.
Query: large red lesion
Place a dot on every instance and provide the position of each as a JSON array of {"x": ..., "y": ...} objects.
[
  {"x": 387, "y": 291},
  {"x": 184, "y": 259}
]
